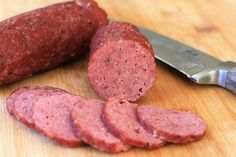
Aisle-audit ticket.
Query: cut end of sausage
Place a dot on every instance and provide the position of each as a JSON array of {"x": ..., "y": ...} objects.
[
  {"x": 120, "y": 118},
  {"x": 170, "y": 125},
  {"x": 88, "y": 125},
  {"x": 51, "y": 116},
  {"x": 122, "y": 67}
]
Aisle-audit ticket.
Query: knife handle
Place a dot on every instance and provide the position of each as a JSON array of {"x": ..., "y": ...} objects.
[
  {"x": 230, "y": 82},
  {"x": 224, "y": 75}
]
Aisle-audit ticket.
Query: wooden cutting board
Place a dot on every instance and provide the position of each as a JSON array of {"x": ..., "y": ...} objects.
[{"x": 209, "y": 25}]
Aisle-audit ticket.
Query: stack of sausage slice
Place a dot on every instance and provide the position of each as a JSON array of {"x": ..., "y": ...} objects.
[{"x": 112, "y": 126}]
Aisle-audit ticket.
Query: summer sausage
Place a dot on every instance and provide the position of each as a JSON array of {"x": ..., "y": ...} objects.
[
  {"x": 170, "y": 125},
  {"x": 121, "y": 62},
  {"x": 51, "y": 117},
  {"x": 120, "y": 118},
  {"x": 47, "y": 37},
  {"x": 88, "y": 125}
]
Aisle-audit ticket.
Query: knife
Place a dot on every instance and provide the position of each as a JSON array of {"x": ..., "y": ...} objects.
[{"x": 200, "y": 67}]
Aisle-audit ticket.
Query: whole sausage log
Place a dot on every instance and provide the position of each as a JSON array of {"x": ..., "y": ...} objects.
[{"x": 47, "y": 37}]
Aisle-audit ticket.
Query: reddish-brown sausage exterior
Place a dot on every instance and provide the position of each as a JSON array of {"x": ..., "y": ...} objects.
[
  {"x": 117, "y": 31},
  {"x": 121, "y": 62},
  {"x": 44, "y": 38}
]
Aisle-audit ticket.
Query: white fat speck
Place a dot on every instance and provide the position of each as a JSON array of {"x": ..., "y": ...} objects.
[
  {"x": 89, "y": 4},
  {"x": 47, "y": 64},
  {"x": 154, "y": 134},
  {"x": 27, "y": 52},
  {"x": 73, "y": 54},
  {"x": 13, "y": 21},
  {"x": 78, "y": 2}
]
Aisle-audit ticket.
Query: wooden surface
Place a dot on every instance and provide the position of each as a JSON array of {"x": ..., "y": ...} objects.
[{"x": 209, "y": 25}]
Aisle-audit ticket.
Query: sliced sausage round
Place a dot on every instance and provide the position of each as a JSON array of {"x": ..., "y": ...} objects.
[
  {"x": 51, "y": 117},
  {"x": 170, "y": 125},
  {"x": 120, "y": 119},
  {"x": 24, "y": 102},
  {"x": 88, "y": 125},
  {"x": 11, "y": 99},
  {"x": 121, "y": 62},
  {"x": 47, "y": 37}
]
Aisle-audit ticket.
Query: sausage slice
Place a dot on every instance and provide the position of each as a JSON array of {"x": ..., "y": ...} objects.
[
  {"x": 11, "y": 99},
  {"x": 120, "y": 118},
  {"x": 51, "y": 117},
  {"x": 88, "y": 125},
  {"x": 170, "y": 125},
  {"x": 24, "y": 102}
]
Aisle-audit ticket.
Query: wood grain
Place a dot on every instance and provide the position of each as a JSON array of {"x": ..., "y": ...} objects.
[{"x": 208, "y": 25}]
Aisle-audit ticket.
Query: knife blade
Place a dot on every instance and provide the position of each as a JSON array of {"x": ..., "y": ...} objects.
[{"x": 195, "y": 64}]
